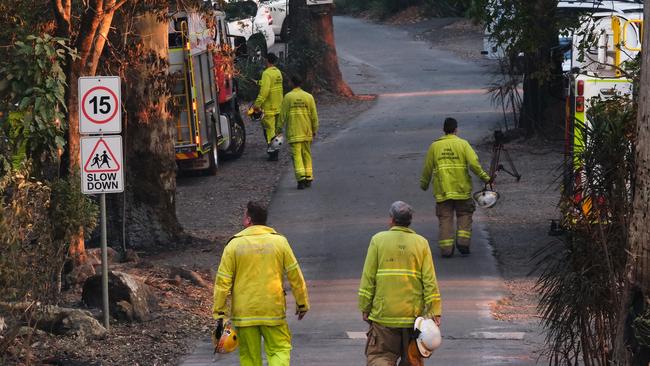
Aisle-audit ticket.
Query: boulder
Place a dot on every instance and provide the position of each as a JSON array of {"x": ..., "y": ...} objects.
[
  {"x": 79, "y": 274},
  {"x": 70, "y": 322},
  {"x": 129, "y": 298},
  {"x": 189, "y": 275},
  {"x": 131, "y": 256},
  {"x": 95, "y": 256}
]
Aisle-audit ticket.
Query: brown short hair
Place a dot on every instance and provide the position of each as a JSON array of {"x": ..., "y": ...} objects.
[{"x": 257, "y": 212}]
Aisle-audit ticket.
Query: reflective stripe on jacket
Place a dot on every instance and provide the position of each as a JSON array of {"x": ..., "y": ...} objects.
[
  {"x": 271, "y": 92},
  {"x": 299, "y": 116},
  {"x": 447, "y": 163},
  {"x": 399, "y": 282},
  {"x": 252, "y": 269}
]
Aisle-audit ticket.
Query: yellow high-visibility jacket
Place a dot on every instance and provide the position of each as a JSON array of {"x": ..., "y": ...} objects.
[
  {"x": 447, "y": 163},
  {"x": 271, "y": 91},
  {"x": 252, "y": 269},
  {"x": 299, "y": 116},
  {"x": 399, "y": 282}
]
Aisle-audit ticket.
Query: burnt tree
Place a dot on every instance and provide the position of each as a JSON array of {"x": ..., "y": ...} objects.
[
  {"x": 147, "y": 211},
  {"x": 312, "y": 47},
  {"x": 630, "y": 347}
]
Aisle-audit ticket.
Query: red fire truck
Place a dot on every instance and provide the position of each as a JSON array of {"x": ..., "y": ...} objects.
[{"x": 207, "y": 116}]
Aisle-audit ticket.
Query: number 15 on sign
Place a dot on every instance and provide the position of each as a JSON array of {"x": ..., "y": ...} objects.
[{"x": 100, "y": 110}]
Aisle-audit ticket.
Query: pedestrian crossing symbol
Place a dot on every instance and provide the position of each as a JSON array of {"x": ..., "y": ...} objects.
[{"x": 102, "y": 165}]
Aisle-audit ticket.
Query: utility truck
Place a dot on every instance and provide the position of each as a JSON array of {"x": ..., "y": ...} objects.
[
  {"x": 206, "y": 111},
  {"x": 599, "y": 52}
]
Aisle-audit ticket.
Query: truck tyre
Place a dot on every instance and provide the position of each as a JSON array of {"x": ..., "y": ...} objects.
[
  {"x": 256, "y": 48},
  {"x": 214, "y": 153},
  {"x": 284, "y": 32},
  {"x": 237, "y": 135}
]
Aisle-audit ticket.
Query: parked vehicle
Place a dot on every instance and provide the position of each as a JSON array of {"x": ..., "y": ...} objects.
[
  {"x": 245, "y": 19},
  {"x": 599, "y": 75},
  {"x": 278, "y": 10},
  {"x": 207, "y": 118}
]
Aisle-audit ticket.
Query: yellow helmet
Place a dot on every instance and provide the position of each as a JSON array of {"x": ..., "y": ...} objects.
[{"x": 227, "y": 342}]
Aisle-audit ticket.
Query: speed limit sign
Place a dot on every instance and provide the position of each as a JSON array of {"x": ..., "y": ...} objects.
[{"x": 100, "y": 111}]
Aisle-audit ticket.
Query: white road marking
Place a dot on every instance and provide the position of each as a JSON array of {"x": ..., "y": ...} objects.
[
  {"x": 356, "y": 335},
  {"x": 499, "y": 335}
]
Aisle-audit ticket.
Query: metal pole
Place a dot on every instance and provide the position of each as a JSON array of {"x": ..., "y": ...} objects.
[{"x": 102, "y": 208}]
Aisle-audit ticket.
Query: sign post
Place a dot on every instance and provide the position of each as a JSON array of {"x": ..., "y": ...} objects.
[{"x": 102, "y": 169}]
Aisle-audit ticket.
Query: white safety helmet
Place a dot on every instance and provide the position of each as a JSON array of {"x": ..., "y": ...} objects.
[
  {"x": 276, "y": 143},
  {"x": 486, "y": 198},
  {"x": 428, "y": 336}
]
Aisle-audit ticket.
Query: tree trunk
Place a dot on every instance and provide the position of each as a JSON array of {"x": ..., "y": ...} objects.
[
  {"x": 150, "y": 206},
  {"x": 328, "y": 68},
  {"x": 312, "y": 33},
  {"x": 637, "y": 285},
  {"x": 542, "y": 105}
]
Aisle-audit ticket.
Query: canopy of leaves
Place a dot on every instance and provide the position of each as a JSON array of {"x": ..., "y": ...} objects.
[{"x": 32, "y": 105}]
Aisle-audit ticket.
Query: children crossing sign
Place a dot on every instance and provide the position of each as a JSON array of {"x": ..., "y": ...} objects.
[{"x": 102, "y": 166}]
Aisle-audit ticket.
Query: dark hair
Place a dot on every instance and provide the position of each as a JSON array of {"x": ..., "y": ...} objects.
[
  {"x": 257, "y": 212},
  {"x": 271, "y": 58},
  {"x": 450, "y": 125},
  {"x": 296, "y": 80}
]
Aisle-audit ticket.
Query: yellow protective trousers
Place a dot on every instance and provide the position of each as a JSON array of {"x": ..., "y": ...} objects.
[
  {"x": 277, "y": 345},
  {"x": 463, "y": 210},
  {"x": 301, "y": 154},
  {"x": 270, "y": 123}
]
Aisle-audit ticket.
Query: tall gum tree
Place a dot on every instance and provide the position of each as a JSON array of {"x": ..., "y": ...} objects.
[
  {"x": 636, "y": 289},
  {"x": 89, "y": 38},
  {"x": 312, "y": 33},
  {"x": 149, "y": 205}
]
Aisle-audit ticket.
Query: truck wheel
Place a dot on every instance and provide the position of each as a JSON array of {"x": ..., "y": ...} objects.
[
  {"x": 214, "y": 154},
  {"x": 284, "y": 32},
  {"x": 237, "y": 135},
  {"x": 256, "y": 48}
]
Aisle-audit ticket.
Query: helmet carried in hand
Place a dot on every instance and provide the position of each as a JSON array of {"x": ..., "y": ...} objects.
[
  {"x": 486, "y": 198},
  {"x": 227, "y": 341},
  {"x": 428, "y": 337}
]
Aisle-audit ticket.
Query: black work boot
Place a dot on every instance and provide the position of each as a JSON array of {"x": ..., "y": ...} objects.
[
  {"x": 301, "y": 184},
  {"x": 463, "y": 250},
  {"x": 308, "y": 183}
]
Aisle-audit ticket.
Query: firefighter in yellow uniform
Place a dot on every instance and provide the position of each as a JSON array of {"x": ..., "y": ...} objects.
[
  {"x": 269, "y": 100},
  {"x": 300, "y": 120},
  {"x": 251, "y": 270},
  {"x": 447, "y": 163},
  {"x": 398, "y": 284}
]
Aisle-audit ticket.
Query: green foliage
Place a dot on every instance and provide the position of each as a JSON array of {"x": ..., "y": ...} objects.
[
  {"x": 37, "y": 223},
  {"x": 32, "y": 101},
  {"x": 582, "y": 275}
]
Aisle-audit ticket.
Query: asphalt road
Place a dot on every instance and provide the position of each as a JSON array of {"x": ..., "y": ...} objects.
[{"x": 359, "y": 172}]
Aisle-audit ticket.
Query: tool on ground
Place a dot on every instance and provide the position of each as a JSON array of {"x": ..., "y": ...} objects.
[
  {"x": 497, "y": 148},
  {"x": 486, "y": 198},
  {"x": 255, "y": 114},
  {"x": 427, "y": 336},
  {"x": 276, "y": 143},
  {"x": 224, "y": 338}
]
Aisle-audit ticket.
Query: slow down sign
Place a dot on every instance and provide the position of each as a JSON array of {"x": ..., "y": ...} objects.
[{"x": 102, "y": 166}]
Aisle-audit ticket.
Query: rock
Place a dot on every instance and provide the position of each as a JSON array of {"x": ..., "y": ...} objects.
[
  {"x": 131, "y": 256},
  {"x": 95, "y": 254},
  {"x": 122, "y": 288},
  {"x": 79, "y": 274},
  {"x": 29, "y": 331},
  {"x": 70, "y": 322},
  {"x": 189, "y": 275},
  {"x": 3, "y": 325}
]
